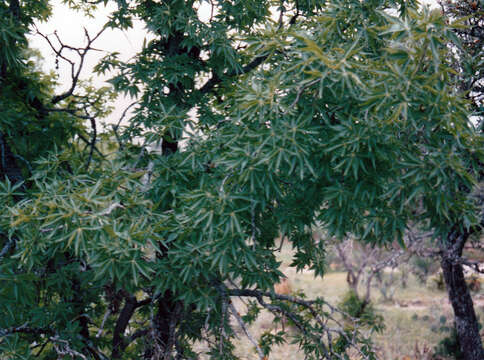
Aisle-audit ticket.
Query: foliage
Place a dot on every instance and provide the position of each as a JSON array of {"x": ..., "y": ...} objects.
[
  {"x": 449, "y": 346},
  {"x": 438, "y": 281},
  {"x": 423, "y": 268},
  {"x": 355, "y": 307},
  {"x": 469, "y": 53},
  {"x": 339, "y": 113}
]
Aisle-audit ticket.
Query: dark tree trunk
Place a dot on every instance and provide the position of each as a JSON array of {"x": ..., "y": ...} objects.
[
  {"x": 163, "y": 322},
  {"x": 8, "y": 166},
  {"x": 465, "y": 317}
]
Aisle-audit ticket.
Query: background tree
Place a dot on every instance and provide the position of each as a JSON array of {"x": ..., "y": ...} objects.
[
  {"x": 336, "y": 112},
  {"x": 365, "y": 265}
]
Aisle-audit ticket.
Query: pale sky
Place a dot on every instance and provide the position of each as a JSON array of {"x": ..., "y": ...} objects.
[{"x": 70, "y": 28}]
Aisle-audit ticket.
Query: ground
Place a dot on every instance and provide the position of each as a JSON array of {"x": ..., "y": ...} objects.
[{"x": 414, "y": 320}]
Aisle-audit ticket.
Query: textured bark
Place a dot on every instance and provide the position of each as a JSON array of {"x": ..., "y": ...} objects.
[
  {"x": 465, "y": 317},
  {"x": 123, "y": 321},
  {"x": 166, "y": 309}
]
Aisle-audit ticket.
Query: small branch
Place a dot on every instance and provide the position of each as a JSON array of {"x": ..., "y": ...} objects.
[
  {"x": 222, "y": 321},
  {"x": 146, "y": 179},
  {"x": 24, "y": 329},
  {"x": 215, "y": 79},
  {"x": 294, "y": 18},
  {"x": 130, "y": 306},
  {"x": 110, "y": 208},
  {"x": 123, "y": 321},
  {"x": 81, "y": 52},
  {"x": 300, "y": 90},
  {"x": 310, "y": 306},
  {"x": 62, "y": 348},
  {"x": 101, "y": 328},
  {"x": 88, "y": 143},
  {"x": 73, "y": 112},
  {"x": 474, "y": 265},
  {"x": 115, "y": 127},
  {"x": 136, "y": 335},
  {"x": 174, "y": 320},
  {"x": 281, "y": 14},
  {"x": 246, "y": 331},
  {"x": 212, "y": 5}
]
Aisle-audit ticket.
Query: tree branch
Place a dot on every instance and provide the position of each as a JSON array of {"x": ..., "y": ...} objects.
[
  {"x": 246, "y": 331},
  {"x": 81, "y": 52},
  {"x": 25, "y": 329},
  {"x": 123, "y": 321},
  {"x": 130, "y": 305},
  {"x": 215, "y": 79}
]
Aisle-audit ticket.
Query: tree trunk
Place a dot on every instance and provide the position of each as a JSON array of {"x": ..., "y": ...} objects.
[{"x": 465, "y": 317}]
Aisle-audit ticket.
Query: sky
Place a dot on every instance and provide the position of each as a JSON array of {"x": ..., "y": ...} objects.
[{"x": 70, "y": 26}]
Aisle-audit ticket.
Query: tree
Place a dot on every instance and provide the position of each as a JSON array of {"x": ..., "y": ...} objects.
[
  {"x": 364, "y": 263},
  {"x": 335, "y": 112}
]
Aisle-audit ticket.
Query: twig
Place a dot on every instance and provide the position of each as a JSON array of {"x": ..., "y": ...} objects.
[
  {"x": 101, "y": 328},
  {"x": 24, "y": 329},
  {"x": 66, "y": 349},
  {"x": 115, "y": 127},
  {"x": 81, "y": 52},
  {"x": 309, "y": 305},
  {"x": 88, "y": 143},
  {"x": 146, "y": 179},
  {"x": 246, "y": 331},
  {"x": 212, "y": 5},
  {"x": 296, "y": 15},
  {"x": 281, "y": 14},
  {"x": 222, "y": 322},
  {"x": 300, "y": 90},
  {"x": 25, "y": 161},
  {"x": 214, "y": 80},
  {"x": 111, "y": 208}
]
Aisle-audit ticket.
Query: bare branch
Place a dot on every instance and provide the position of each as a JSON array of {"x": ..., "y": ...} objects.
[
  {"x": 62, "y": 348},
  {"x": 24, "y": 329},
  {"x": 81, "y": 53},
  {"x": 101, "y": 328},
  {"x": 115, "y": 127},
  {"x": 123, "y": 321},
  {"x": 130, "y": 306},
  {"x": 246, "y": 331},
  {"x": 89, "y": 143}
]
